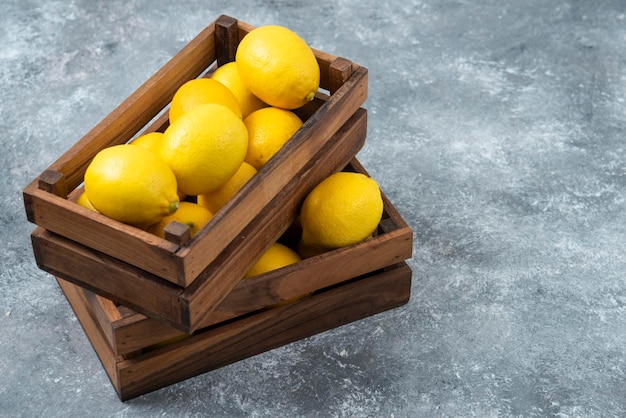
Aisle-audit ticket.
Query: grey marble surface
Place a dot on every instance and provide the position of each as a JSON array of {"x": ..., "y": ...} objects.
[{"x": 497, "y": 128}]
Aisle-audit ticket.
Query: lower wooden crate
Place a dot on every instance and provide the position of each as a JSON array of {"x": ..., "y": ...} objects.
[{"x": 159, "y": 366}]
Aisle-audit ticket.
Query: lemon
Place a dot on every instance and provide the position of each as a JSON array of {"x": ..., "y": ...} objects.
[
  {"x": 275, "y": 257},
  {"x": 152, "y": 141},
  {"x": 214, "y": 200},
  {"x": 278, "y": 66},
  {"x": 228, "y": 75},
  {"x": 201, "y": 91},
  {"x": 83, "y": 200},
  {"x": 204, "y": 148},
  {"x": 149, "y": 141},
  {"x": 345, "y": 208},
  {"x": 188, "y": 213},
  {"x": 268, "y": 130},
  {"x": 131, "y": 184}
]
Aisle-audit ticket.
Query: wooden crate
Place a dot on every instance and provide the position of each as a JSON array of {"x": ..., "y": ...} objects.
[
  {"x": 93, "y": 270},
  {"x": 155, "y": 367},
  {"x": 211, "y": 264}
]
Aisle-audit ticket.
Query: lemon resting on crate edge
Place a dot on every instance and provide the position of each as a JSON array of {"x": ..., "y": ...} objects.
[{"x": 131, "y": 184}]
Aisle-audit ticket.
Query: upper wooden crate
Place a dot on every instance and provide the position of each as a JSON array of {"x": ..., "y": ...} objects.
[{"x": 177, "y": 260}]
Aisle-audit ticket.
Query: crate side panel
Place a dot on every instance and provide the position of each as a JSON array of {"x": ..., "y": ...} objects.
[
  {"x": 265, "y": 331},
  {"x": 97, "y": 339},
  {"x": 94, "y": 230},
  {"x": 106, "y": 276}
]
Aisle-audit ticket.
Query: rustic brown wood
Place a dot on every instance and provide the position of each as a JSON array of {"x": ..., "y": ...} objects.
[
  {"x": 339, "y": 72},
  {"x": 177, "y": 233},
  {"x": 109, "y": 360},
  {"x": 392, "y": 245},
  {"x": 53, "y": 182},
  {"x": 106, "y": 276},
  {"x": 126, "y": 331},
  {"x": 97, "y": 231},
  {"x": 104, "y": 312},
  {"x": 226, "y": 39},
  {"x": 234, "y": 341},
  {"x": 281, "y": 285}
]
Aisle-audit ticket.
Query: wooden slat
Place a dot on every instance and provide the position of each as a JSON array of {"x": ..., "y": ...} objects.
[
  {"x": 252, "y": 335},
  {"x": 108, "y": 358},
  {"x": 106, "y": 276},
  {"x": 95, "y": 230},
  {"x": 265, "y": 331},
  {"x": 137, "y": 331}
]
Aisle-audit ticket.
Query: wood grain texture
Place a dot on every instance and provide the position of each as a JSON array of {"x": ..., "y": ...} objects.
[
  {"x": 234, "y": 341},
  {"x": 108, "y": 358},
  {"x": 106, "y": 276}
]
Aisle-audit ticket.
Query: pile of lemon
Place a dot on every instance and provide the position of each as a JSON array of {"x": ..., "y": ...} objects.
[{"x": 222, "y": 130}]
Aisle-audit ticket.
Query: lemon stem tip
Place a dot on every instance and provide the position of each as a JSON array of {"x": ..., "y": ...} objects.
[{"x": 310, "y": 96}]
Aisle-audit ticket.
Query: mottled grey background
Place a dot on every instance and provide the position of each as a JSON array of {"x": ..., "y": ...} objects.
[{"x": 495, "y": 127}]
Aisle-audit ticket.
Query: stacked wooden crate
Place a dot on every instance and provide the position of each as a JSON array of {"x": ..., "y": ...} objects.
[{"x": 158, "y": 311}]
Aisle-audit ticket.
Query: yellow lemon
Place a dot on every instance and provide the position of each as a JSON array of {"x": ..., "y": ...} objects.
[
  {"x": 131, "y": 184},
  {"x": 268, "y": 130},
  {"x": 228, "y": 75},
  {"x": 204, "y": 148},
  {"x": 188, "y": 213},
  {"x": 345, "y": 208},
  {"x": 278, "y": 66},
  {"x": 275, "y": 257},
  {"x": 214, "y": 200},
  {"x": 150, "y": 141},
  {"x": 201, "y": 91},
  {"x": 83, "y": 200}
]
